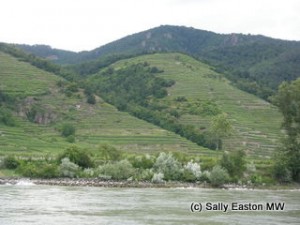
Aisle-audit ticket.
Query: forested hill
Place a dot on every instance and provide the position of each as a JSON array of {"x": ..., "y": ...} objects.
[{"x": 255, "y": 63}]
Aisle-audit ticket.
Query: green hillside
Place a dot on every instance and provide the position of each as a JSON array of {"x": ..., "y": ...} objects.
[
  {"x": 255, "y": 63},
  {"x": 256, "y": 122},
  {"x": 41, "y": 103}
]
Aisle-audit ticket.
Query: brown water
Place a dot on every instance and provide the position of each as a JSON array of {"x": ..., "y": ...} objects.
[{"x": 42, "y": 205}]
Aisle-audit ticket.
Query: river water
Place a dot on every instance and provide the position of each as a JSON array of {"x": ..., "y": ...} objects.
[{"x": 42, "y": 205}]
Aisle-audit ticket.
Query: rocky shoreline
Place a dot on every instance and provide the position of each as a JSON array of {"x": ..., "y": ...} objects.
[
  {"x": 97, "y": 182},
  {"x": 94, "y": 182}
]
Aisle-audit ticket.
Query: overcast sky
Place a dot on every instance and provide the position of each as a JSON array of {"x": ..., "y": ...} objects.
[{"x": 86, "y": 24}]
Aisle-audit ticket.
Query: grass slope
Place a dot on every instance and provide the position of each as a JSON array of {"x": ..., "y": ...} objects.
[
  {"x": 95, "y": 124},
  {"x": 256, "y": 122}
]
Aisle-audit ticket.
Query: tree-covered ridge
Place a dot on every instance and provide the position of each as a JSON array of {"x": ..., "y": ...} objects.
[
  {"x": 255, "y": 63},
  {"x": 135, "y": 83}
]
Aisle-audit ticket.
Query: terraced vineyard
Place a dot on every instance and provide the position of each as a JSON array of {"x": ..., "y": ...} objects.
[
  {"x": 256, "y": 122},
  {"x": 95, "y": 124}
]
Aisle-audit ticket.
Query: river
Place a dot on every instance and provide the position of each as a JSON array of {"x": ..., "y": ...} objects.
[{"x": 27, "y": 204}]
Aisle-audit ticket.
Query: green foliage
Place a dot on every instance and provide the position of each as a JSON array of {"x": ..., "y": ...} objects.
[
  {"x": 6, "y": 98},
  {"x": 68, "y": 168},
  {"x": 256, "y": 179},
  {"x": 38, "y": 169},
  {"x": 48, "y": 171},
  {"x": 109, "y": 153},
  {"x": 10, "y": 162},
  {"x": 234, "y": 163},
  {"x": 30, "y": 58},
  {"x": 288, "y": 101},
  {"x": 254, "y": 63},
  {"x": 118, "y": 171},
  {"x": 218, "y": 176},
  {"x": 67, "y": 130},
  {"x": 91, "y": 99},
  {"x": 133, "y": 84},
  {"x": 6, "y": 117},
  {"x": 143, "y": 175},
  {"x": 221, "y": 127},
  {"x": 143, "y": 162},
  {"x": 77, "y": 156},
  {"x": 181, "y": 99},
  {"x": 168, "y": 166},
  {"x": 71, "y": 139},
  {"x": 203, "y": 108}
]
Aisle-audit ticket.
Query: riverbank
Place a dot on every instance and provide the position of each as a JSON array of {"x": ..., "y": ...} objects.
[{"x": 94, "y": 182}]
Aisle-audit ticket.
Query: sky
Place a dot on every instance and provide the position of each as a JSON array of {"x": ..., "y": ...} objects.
[{"x": 79, "y": 25}]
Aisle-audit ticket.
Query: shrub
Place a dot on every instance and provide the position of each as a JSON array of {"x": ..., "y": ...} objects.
[
  {"x": 38, "y": 170},
  {"x": 6, "y": 118},
  {"x": 143, "y": 175},
  {"x": 10, "y": 162},
  {"x": 205, "y": 176},
  {"x": 88, "y": 172},
  {"x": 77, "y": 156},
  {"x": 109, "y": 153},
  {"x": 71, "y": 139},
  {"x": 234, "y": 163},
  {"x": 194, "y": 168},
  {"x": 119, "y": 171},
  {"x": 67, "y": 130},
  {"x": 168, "y": 165},
  {"x": 28, "y": 169},
  {"x": 256, "y": 179},
  {"x": 48, "y": 171},
  {"x": 68, "y": 168},
  {"x": 144, "y": 162},
  {"x": 218, "y": 176},
  {"x": 187, "y": 176},
  {"x": 91, "y": 99},
  {"x": 158, "y": 178}
]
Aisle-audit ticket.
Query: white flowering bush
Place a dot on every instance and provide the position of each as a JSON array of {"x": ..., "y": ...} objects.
[
  {"x": 194, "y": 168},
  {"x": 68, "y": 168},
  {"x": 158, "y": 178},
  {"x": 168, "y": 165}
]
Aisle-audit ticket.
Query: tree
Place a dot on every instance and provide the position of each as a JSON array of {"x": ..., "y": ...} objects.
[
  {"x": 220, "y": 128},
  {"x": 288, "y": 101},
  {"x": 234, "y": 163}
]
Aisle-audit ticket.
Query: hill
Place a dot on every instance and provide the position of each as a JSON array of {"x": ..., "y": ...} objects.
[
  {"x": 195, "y": 97},
  {"x": 255, "y": 63},
  {"x": 35, "y": 105}
]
